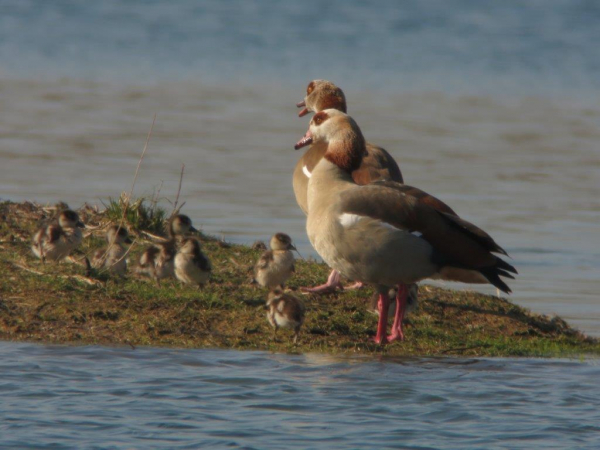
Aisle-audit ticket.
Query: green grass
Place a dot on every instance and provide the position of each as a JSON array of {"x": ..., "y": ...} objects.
[
  {"x": 140, "y": 214},
  {"x": 229, "y": 312}
]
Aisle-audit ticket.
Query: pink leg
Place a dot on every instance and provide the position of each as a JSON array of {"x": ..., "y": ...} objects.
[
  {"x": 401, "y": 300},
  {"x": 357, "y": 285},
  {"x": 333, "y": 282},
  {"x": 383, "y": 305}
]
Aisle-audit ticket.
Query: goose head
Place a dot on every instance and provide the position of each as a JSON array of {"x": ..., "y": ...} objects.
[
  {"x": 321, "y": 95},
  {"x": 345, "y": 142}
]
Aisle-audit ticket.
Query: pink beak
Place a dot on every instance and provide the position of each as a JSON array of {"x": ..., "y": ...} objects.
[
  {"x": 304, "y": 111},
  {"x": 306, "y": 140}
]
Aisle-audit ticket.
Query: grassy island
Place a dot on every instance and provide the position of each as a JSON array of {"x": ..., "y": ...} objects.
[{"x": 66, "y": 303}]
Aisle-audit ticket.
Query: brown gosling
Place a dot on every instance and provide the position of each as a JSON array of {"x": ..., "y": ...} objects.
[
  {"x": 57, "y": 240},
  {"x": 275, "y": 266},
  {"x": 158, "y": 260},
  {"x": 286, "y": 311},
  {"x": 191, "y": 265},
  {"x": 112, "y": 257}
]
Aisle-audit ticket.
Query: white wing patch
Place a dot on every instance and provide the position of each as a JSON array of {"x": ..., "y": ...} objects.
[
  {"x": 306, "y": 172},
  {"x": 348, "y": 220}
]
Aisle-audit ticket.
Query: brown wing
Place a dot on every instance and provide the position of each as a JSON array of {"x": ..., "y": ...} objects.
[
  {"x": 421, "y": 196},
  {"x": 456, "y": 242},
  {"x": 378, "y": 164}
]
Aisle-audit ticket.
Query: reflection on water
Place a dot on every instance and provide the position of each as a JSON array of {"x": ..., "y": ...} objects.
[
  {"x": 525, "y": 169},
  {"x": 82, "y": 397}
]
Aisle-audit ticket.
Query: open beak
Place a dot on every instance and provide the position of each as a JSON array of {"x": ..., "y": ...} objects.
[
  {"x": 306, "y": 140},
  {"x": 304, "y": 111}
]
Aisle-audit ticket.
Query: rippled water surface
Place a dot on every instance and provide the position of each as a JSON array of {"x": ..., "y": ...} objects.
[{"x": 93, "y": 397}]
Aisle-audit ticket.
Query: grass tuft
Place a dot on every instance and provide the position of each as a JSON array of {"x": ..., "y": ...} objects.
[{"x": 140, "y": 215}]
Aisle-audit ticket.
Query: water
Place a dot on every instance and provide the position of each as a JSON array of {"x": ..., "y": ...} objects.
[
  {"x": 94, "y": 397},
  {"x": 491, "y": 106}
]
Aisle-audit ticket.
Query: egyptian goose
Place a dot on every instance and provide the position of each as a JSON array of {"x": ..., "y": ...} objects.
[
  {"x": 386, "y": 233},
  {"x": 158, "y": 260},
  {"x": 191, "y": 265},
  {"x": 112, "y": 257},
  {"x": 285, "y": 311},
  {"x": 57, "y": 240},
  {"x": 377, "y": 164},
  {"x": 275, "y": 266}
]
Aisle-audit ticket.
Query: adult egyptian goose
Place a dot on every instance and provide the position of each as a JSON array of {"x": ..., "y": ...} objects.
[
  {"x": 158, "y": 260},
  {"x": 57, "y": 240},
  {"x": 275, "y": 266},
  {"x": 285, "y": 311},
  {"x": 191, "y": 265},
  {"x": 384, "y": 233},
  {"x": 112, "y": 257},
  {"x": 377, "y": 164}
]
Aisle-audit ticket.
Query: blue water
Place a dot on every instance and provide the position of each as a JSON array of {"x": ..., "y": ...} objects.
[
  {"x": 535, "y": 46},
  {"x": 94, "y": 397}
]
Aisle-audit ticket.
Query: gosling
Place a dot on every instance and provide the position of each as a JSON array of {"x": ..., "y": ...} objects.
[
  {"x": 191, "y": 265},
  {"x": 286, "y": 311},
  {"x": 112, "y": 257},
  {"x": 275, "y": 266},
  {"x": 158, "y": 260},
  {"x": 57, "y": 240}
]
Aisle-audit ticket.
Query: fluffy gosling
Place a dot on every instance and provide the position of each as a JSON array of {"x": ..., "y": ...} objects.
[
  {"x": 286, "y": 311},
  {"x": 158, "y": 260},
  {"x": 112, "y": 257},
  {"x": 57, "y": 240},
  {"x": 275, "y": 266},
  {"x": 191, "y": 265}
]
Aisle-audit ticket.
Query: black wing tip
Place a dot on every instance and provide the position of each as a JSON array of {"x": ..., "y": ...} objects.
[
  {"x": 501, "y": 264},
  {"x": 493, "y": 273},
  {"x": 501, "y": 251}
]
